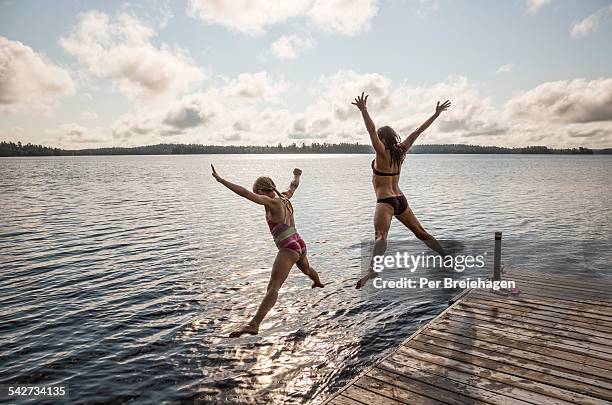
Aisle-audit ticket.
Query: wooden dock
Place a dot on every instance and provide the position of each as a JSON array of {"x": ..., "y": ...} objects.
[{"x": 551, "y": 344}]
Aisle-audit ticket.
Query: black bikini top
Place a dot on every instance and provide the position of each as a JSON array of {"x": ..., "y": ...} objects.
[{"x": 379, "y": 173}]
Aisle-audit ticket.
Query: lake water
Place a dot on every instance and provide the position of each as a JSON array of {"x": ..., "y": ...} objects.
[{"x": 121, "y": 274}]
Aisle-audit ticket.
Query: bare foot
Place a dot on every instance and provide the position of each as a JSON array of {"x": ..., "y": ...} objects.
[
  {"x": 362, "y": 281},
  {"x": 319, "y": 284},
  {"x": 246, "y": 329}
]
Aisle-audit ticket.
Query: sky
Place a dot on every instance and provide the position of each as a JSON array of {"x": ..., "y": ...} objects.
[{"x": 82, "y": 74}]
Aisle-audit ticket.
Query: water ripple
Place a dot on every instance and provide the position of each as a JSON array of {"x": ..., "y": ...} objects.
[{"x": 122, "y": 275}]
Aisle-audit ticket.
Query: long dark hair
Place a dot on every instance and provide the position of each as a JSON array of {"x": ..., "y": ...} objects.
[{"x": 391, "y": 141}]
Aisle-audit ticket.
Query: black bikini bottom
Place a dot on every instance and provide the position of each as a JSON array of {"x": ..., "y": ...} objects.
[{"x": 398, "y": 202}]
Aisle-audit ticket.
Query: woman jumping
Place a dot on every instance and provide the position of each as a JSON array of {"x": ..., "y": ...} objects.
[
  {"x": 390, "y": 201},
  {"x": 291, "y": 246}
]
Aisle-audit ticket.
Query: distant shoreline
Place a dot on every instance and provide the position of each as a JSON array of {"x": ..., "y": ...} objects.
[{"x": 16, "y": 149}]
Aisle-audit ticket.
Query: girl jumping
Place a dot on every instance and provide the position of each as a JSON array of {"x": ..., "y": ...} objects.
[
  {"x": 386, "y": 167},
  {"x": 291, "y": 246}
]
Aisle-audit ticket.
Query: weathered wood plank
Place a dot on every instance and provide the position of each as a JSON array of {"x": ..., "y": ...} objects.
[
  {"x": 449, "y": 379},
  {"x": 550, "y": 305},
  {"x": 558, "y": 279},
  {"x": 503, "y": 313},
  {"x": 561, "y": 284},
  {"x": 570, "y": 299},
  {"x": 428, "y": 390},
  {"x": 513, "y": 339},
  {"x": 342, "y": 400},
  {"x": 522, "y": 388},
  {"x": 513, "y": 349},
  {"x": 368, "y": 397},
  {"x": 531, "y": 311},
  {"x": 519, "y": 367},
  {"x": 576, "y": 339},
  {"x": 393, "y": 391},
  {"x": 591, "y": 300},
  {"x": 597, "y": 300}
]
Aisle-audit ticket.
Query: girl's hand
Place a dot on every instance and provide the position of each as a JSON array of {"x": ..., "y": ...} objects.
[
  {"x": 215, "y": 174},
  {"x": 443, "y": 107},
  {"x": 297, "y": 172},
  {"x": 360, "y": 102}
]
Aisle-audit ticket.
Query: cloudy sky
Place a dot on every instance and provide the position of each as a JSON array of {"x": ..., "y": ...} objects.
[{"x": 83, "y": 74}]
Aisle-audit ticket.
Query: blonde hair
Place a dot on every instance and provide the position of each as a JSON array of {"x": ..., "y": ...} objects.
[{"x": 265, "y": 183}]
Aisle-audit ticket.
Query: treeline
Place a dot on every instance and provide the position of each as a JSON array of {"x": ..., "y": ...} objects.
[
  {"x": 161, "y": 149},
  {"x": 359, "y": 148},
  {"x": 292, "y": 148},
  {"x": 478, "y": 149},
  {"x": 18, "y": 149}
]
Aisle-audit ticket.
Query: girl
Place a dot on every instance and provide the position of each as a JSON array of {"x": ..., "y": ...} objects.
[
  {"x": 390, "y": 201},
  {"x": 291, "y": 246}
]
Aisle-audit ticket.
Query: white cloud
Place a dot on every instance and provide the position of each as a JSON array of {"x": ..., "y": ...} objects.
[
  {"x": 140, "y": 125},
  {"x": 241, "y": 126},
  {"x": 256, "y": 16},
  {"x": 571, "y": 113},
  {"x": 507, "y": 68},
  {"x": 246, "y": 16},
  {"x": 534, "y": 5},
  {"x": 28, "y": 81},
  {"x": 157, "y": 11},
  {"x": 568, "y": 101},
  {"x": 190, "y": 113},
  {"x": 121, "y": 50},
  {"x": 427, "y": 6},
  {"x": 471, "y": 115},
  {"x": 255, "y": 86},
  {"x": 566, "y": 113},
  {"x": 231, "y": 107},
  {"x": 89, "y": 115},
  {"x": 343, "y": 16},
  {"x": 76, "y": 136},
  {"x": 336, "y": 92},
  {"x": 589, "y": 24},
  {"x": 289, "y": 47},
  {"x": 563, "y": 113}
]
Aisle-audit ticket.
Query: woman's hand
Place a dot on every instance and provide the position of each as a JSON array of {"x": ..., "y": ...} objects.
[
  {"x": 215, "y": 174},
  {"x": 297, "y": 172},
  {"x": 360, "y": 102},
  {"x": 443, "y": 107}
]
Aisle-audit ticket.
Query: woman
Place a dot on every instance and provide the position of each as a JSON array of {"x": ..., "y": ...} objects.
[
  {"x": 386, "y": 167},
  {"x": 291, "y": 246}
]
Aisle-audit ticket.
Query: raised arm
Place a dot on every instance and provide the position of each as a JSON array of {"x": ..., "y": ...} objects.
[
  {"x": 241, "y": 191},
  {"x": 294, "y": 183},
  {"x": 360, "y": 102},
  {"x": 407, "y": 143}
]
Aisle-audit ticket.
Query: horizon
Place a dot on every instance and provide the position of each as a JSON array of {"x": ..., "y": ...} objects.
[
  {"x": 301, "y": 145},
  {"x": 121, "y": 74}
]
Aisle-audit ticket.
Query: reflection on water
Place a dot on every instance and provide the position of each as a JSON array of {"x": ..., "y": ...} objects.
[{"x": 120, "y": 275}]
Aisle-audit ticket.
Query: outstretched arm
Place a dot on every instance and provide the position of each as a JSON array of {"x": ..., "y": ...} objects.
[
  {"x": 241, "y": 191},
  {"x": 407, "y": 143},
  {"x": 360, "y": 102},
  {"x": 294, "y": 183}
]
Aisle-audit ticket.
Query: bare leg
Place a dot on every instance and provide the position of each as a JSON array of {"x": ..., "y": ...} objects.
[
  {"x": 383, "y": 215},
  {"x": 411, "y": 222},
  {"x": 285, "y": 259},
  {"x": 304, "y": 266}
]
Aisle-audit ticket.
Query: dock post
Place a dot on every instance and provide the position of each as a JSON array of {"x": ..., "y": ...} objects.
[{"x": 497, "y": 257}]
